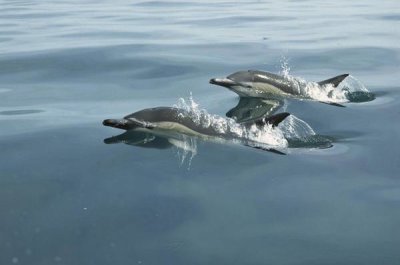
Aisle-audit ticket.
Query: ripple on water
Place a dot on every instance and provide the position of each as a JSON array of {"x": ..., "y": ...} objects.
[
  {"x": 4, "y": 90},
  {"x": 381, "y": 99},
  {"x": 356, "y": 59},
  {"x": 158, "y": 4},
  {"x": 82, "y": 63},
  {"x": 5, "y": 39},
  {"x": 394, "y": 17},
  {"x": 234, "y": 20},
  {"x": 20, "y": 112}
]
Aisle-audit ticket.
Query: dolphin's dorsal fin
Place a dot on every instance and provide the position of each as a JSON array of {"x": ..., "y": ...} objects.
[
  {"x": 335, "y": 81},
  {"x": 274, "y": 120}
]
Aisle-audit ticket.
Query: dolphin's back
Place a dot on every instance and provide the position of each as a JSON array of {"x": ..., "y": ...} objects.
[
  {"x": 170, "y": 115},
  {"x": 241, "y": 76},
  {"x": 277, "y": 81},
  {"x": 264, "y": 79},
  {"x": 158, "y": 114}
]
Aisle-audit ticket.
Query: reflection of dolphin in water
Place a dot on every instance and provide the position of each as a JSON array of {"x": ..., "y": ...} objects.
[
  {"x": 169, "y": 122},
  {"x": 260, "y": 84},
  {"x": 253, "y": 108},
  {"x": 141, "y": 139}
]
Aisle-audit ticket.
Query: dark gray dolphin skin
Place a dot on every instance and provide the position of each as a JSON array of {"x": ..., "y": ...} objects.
[
  {"x": 249, "y": 109},
  {"x": 260, "y": 84},
  {"x": 166, "y": 121}
]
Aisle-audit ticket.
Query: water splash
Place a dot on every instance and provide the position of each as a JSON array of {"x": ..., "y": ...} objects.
[
  {"x": 326, "y": 93},
  {"x": 186, "y": 149},
  {"x": 293, "y": 127},
  {"x": 349, "y": 90},
  {"x": 265, "y": 136},
  {"x": 355, "y": 90},
  {"x": 285, "y": 68},
  {"x": 202, "y": 118},
  {"x": 291, "y": 133},
  {"x": 300, "y": 134},
  {"x": 352, "y": 84}
]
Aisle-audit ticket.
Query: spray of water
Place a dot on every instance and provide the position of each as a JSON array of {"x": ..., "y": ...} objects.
[
  {"x": 292, "y": 132},
  {"x": 285, "y": 68},
  {"x": 295, "y": 128},
  {"x": 349, "y": 90},
  {"x": 186, "y": 149},
  {"x": 265, "y": 136}
]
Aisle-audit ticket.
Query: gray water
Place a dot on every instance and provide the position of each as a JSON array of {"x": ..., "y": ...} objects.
[{"x": 66, "y": 197}]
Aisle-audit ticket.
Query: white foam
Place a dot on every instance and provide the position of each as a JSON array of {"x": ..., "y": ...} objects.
[
  {"x": 326, "y": 93},
  {"x": 265, "y": 136}
]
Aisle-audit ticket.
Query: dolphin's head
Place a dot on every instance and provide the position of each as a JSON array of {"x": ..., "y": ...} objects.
[
  {"x": 118, "y": 123},
  {"x": 239, "y": 82}
]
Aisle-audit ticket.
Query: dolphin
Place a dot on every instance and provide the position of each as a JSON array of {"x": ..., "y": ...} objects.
[
  {"x": 170, "y": 122},
  {"x": 260, "y": 84}
]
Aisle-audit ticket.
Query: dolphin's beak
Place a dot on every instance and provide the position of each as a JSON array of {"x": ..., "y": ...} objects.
[
  {"x": 117, "y": 123},
  {"x": 225, "y": 82},
  {"x": 213, "y": 81}
]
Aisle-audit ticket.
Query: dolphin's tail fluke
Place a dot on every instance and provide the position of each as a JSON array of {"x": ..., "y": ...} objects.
[{"x": 335, "y": 81}]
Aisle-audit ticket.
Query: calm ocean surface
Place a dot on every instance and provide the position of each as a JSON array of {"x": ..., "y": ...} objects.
[{"x": 66, "y": 197}]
